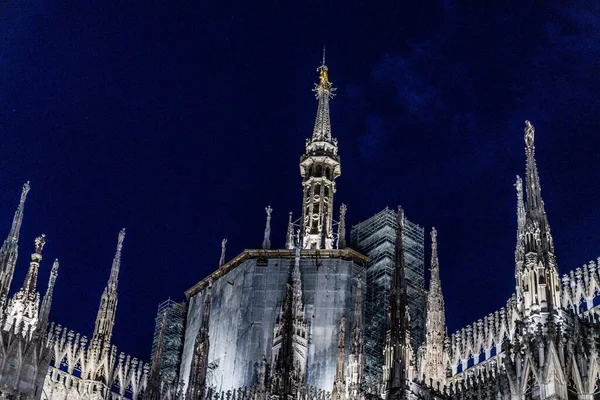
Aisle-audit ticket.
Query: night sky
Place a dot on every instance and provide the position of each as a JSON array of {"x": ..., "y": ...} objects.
[{"x": 182, "y": 121}]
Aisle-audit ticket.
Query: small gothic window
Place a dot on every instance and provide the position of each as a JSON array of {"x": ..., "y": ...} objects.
[{"x": 319, "y": 171}]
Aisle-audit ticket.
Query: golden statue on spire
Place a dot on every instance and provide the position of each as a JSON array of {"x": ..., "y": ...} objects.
[{"x": 323, "y": 73}]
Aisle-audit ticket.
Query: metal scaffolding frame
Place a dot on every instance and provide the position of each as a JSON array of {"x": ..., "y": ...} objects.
[
  {"x": 376, "y": 238},
  {"x": 168, "y": 339}
]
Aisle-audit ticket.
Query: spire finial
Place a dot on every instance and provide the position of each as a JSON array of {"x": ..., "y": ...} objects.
[
  {"x": 36, "y": 257},
  {"x": 529, "y": 134},
  {"x": 54, "y": 270},
  {"x": 324, "y": 84},
  {"x": 18, "y": 218},
  {"x": 532, "y": 179},
  {"x": 24, "y": 192},
  {"x": 342, "y": 227},
  {"x": 120, "y": 239},
  {"x": 223, "y": 246},
  {"x": 267, "y": 238},
  {"x": 40, "y": 241},
  {"x": 116, "y": 265},
  {"x": 289, "y": 243},
  {"x": 435, "y": 270}
]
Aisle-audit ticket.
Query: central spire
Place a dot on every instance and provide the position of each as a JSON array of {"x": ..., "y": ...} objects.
[
  {"x": 323, "y": 92},
  {"x": 319, "y": 167}
]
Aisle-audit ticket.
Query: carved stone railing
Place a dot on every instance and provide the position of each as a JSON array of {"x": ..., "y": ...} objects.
[
  {"x": 253, "y": 393},
  {"x": 81, "y": 366},
  {"x": 482, "y": 340}
]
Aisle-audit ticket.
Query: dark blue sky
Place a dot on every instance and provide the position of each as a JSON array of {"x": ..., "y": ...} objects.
[{"x": 182, "y": 121}]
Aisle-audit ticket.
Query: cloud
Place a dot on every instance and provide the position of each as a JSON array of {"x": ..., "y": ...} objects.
[
  {"x": 487, "y": 74},
  {"x": 416, "y": 93}
]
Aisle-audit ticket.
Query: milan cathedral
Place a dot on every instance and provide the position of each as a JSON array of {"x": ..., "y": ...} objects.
[{"x": 290, "y": 323}]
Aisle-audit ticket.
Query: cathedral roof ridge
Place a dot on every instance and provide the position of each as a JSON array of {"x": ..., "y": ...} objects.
[{"x": 247, "y": 254}]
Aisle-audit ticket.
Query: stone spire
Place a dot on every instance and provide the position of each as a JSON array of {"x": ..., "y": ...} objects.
[
  {"x": 397, "y": 352},
  {"x": 47, "y": 302},
  {"x": 538, "y": 285},
  {"x": 319, "y": 167},
  {"x": 199, "y": 367},
  {"x": 290, "y": 339},
  {"x": 342, "y": 228},
  {"x": 356, "y": 359},
  {"x": 223, "y": 248},
  {"x": 23, "y": 309},
  {"x": 9, "y": 249},
  {"x": 289, "y": 242},
  {"x": 267, "y": 239},
  {"x": 434, "y": 371},
  {"x": 339, "y": 385},
  {"x": 105, "y": 321}
]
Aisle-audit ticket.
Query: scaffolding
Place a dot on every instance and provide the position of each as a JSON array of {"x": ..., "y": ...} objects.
[
  {"x": 376, "y": 238},
  {"x": 167, "y": 343}
]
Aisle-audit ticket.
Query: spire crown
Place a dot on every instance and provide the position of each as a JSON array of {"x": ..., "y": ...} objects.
[
  {"x": 267, "y": 236},
  {"x": 529, "y": 134},
  {"x": 18, "y": 218},
  {"x": 114, "y": 273},
  {"x": 435, "y": 270},
  {"x": 223, "y": 248},
  {"x": 54, "y": 270},
  {"x": 39, "y": 242},
  {"x": 323, "y": 92},
  {"x": 323, "y": 74},
  {"x": 120, "y": 239},
  {"x": 26, "y": 188},
  {"x": 32, "y": 274}
]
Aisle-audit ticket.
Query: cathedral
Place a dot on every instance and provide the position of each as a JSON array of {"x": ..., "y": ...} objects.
[
  {"x": 296, "y": 323},
  {"x": 290, "y": 323}
]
